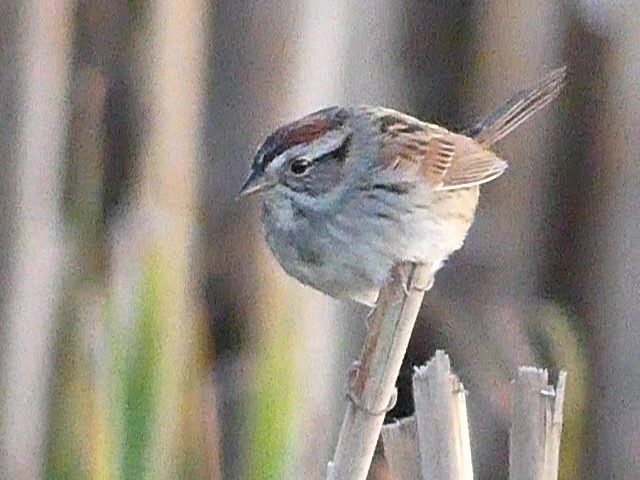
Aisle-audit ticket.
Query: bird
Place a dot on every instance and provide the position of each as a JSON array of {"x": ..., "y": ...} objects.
[{"x": 348, "y": 193}]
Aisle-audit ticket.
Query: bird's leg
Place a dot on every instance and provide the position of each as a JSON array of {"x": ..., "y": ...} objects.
[
  {"x": 352, "y": 377},
  {"x": 402, "y": 273},
  {"x": 367, "y": 320},
  {"x": 426, "y": 287}
]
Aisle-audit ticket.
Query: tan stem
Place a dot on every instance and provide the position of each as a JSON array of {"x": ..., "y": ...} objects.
[{"x": 384, "y": 349}]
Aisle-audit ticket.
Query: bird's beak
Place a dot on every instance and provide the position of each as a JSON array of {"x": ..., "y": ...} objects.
[{"x": 256, "y": 182}]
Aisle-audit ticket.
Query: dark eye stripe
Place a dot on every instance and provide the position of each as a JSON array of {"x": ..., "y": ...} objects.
[
  {"x": 284, "y": 139},
  {"x": 339, "y": 154},
  {"x": 302, "y": 131}
]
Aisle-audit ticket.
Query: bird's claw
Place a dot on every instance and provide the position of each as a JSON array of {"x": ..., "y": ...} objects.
[
  {"x": 374, "y": 413},
  {"x": 352, "y": 375},
  {"x": 401, "y": 274}
]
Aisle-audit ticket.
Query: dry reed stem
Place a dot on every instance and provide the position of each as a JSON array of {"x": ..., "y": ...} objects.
[
  {"x": 441, "y": 415},
  {"x": 374, "y": 386},
  {"x": 536, "y": 425}
]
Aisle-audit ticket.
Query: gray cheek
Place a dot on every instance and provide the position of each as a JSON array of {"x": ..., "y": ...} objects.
[
  {"x": 277, "y": 212},
  {"x": 286, "y": 220},
  {"x": 321, "y": 180}
]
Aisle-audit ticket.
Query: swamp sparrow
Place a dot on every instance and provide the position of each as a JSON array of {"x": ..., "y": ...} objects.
[{"x": 349, "y": 192}]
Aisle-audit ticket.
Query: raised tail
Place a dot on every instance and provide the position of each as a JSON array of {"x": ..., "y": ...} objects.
[{"x": 522, "y": 105}]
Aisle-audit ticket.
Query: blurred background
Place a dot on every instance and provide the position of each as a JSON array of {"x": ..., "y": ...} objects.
[{"x": 146, "y": 331}]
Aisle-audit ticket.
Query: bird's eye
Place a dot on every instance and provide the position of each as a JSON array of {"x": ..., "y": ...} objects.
[{"x": 299, "y": 166}]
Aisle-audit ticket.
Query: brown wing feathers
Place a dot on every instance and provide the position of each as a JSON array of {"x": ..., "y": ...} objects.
[
  {"x": 437, "y": 158},
  {"x": 449, "y": 160},
  {"x": 444, "y": 159},
  {"x": 454, "y": 161},
  {"x": 473, "y": 167}
]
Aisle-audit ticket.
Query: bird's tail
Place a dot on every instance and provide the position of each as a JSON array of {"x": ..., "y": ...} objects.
[{"x": 522, "y": 105}]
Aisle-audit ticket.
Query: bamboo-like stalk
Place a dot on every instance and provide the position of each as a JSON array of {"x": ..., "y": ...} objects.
[
  {"x": 441, "y": 414},
  {"x": 400, "y": 441},
  {"x": 434, "y": 443},
  {"x": 536, "y": 429},
  {"x": 374, "y": 386}
]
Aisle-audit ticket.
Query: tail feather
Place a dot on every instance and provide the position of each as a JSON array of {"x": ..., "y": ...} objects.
[{"x": 525, "y": 103}]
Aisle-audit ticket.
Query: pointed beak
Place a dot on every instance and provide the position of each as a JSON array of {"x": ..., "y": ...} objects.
[{"x": 255, "y": 183}]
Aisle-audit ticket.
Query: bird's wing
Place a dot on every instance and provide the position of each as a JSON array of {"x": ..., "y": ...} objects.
[{"x": 446, "y": 160}]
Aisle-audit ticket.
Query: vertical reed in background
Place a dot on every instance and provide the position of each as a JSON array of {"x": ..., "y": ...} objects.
[
  {"x": 44, "y": 55},
  {"x": 173, "y": 59},
  {"x": 132, "y": 397},
  {"x": 603, "y": 268}
]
